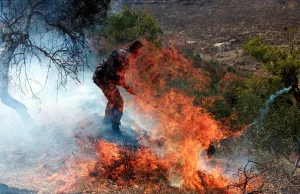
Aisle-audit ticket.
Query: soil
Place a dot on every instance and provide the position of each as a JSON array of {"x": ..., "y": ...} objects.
[{"x": 200, "y": 24}]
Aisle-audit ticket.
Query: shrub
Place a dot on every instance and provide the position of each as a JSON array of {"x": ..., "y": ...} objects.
[{"x": 130, "y": 24}]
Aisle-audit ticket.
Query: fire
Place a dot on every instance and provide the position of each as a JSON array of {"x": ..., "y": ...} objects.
[
  {"x": 178, "y": 130},
  {"x": 108, "y": 152},
  {"x": 185, "y": 128},
  {"x": 74, "y": 176},
  {"x": 128, "y": 165}
]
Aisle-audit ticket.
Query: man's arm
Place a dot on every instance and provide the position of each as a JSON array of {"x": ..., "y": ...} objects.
[
  {"x": 123, "y": 55},
  {"x": 124, "y": 84}
]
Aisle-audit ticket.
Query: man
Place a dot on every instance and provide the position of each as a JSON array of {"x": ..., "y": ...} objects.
[{"x": 110, "y": 73}]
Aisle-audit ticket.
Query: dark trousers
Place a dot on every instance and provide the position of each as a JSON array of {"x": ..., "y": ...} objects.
[{"x": 114, "y": 107}]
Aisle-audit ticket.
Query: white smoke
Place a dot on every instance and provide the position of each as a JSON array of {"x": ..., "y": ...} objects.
[
  {"x": 116, "y": 6},
  {"x": 57, "y": 114},
  {"x": 60, "y": 115},
  {"x": 272, "y": 98}
]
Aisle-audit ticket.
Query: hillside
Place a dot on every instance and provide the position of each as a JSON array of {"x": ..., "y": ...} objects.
[{"x": 200, "y": 24}]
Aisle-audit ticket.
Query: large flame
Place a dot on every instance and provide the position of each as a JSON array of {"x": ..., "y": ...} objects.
[
  {"x": 164, "y": 81},
  {"x": 178, "y": 130}
]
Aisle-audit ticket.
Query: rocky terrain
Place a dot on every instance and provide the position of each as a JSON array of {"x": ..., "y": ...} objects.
[{"x": 217, "y": 28}]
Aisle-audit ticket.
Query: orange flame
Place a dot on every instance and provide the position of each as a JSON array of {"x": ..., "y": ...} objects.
[
  {"x": 167, "y": 80},
  {"x": 165, "y": 83}
]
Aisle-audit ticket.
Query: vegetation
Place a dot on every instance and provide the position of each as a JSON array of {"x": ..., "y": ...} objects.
[
  {"x": 57, "y": 30},
  {"x": 239, "y": 100},
  {"x": 126, "y": 26},
  {"x": 131, "y": 24},
  {"x": 280, "y": 132},
  {"x": 42, "y": 28},
  {"x": 279, "y": 62}
]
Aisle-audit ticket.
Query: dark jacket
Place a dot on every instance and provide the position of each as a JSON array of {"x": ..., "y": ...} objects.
[{"x": 112, "y": 69}]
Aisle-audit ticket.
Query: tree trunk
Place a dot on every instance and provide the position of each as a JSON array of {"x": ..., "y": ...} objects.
[{"x": 6, "y": 53}]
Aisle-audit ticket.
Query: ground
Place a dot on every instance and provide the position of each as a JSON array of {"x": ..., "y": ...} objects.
[{"x": 200, "y": 24}]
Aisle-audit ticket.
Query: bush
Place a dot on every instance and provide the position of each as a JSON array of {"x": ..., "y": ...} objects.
[
  {"x": 131, "y": 24},
  {"x": 280, "y": 127},
  {"x": 281, "y": 62}
]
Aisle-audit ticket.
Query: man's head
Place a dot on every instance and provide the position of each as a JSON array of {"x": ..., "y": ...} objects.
[{"x": 135, "y": 47}]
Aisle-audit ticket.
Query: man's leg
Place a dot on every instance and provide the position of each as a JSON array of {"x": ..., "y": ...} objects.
[
  {"x": 108, "y": 114},
  {"x": 117, "y": 115},
  {"x": 114, "y": 106},
  {"x": 117, "y": 111},
  {"x": 106, "y": 88}
]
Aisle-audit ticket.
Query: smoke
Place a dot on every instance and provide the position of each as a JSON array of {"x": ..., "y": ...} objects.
[
  {"x": 25, "y": 154},
  {"x": 116, "y": 6},
  {"x": 229, "y": 164},
  {"x": 259, "y": 120},
  {"x": 61, "y": 115}
]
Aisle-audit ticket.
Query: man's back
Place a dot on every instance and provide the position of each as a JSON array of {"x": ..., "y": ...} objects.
[{"x": 113, "y": 66}]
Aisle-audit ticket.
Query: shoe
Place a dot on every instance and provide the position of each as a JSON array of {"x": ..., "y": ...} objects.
[{"x": 116, "y": 127}]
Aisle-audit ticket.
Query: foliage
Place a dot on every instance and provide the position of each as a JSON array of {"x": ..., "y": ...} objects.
[
  {"x": 130, "y": 24},
  {"x": 279, "y": 132},
  {"x": 239, "y": 106},
  {"x": 127, "y": 26},
  {"x": 84, "y": 13},
  {"x": 64, "y": 15},
  {"x": 52, "y": 29},
  {"x": 39, "y": 29},
  {"x": 251, "y": 99},
  {"x": 195, "y": 57},
  {"x": 281, "y": 62},
  {"x": 238, "y": 102},
  {"x": 214, "y": 70},
  {"x": 280, "y": 128}
]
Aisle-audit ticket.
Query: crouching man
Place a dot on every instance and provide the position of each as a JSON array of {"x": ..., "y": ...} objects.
[{"x": 109, "y": 74}]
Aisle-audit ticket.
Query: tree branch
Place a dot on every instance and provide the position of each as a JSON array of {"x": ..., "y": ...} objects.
[{"x": 30, "y": 14}]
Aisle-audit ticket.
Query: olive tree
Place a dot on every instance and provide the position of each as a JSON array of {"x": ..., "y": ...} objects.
[{"x": 52, "y": 29}]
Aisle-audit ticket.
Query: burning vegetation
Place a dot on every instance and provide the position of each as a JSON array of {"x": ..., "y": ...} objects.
[
  {"x": 186, "y": 124},
  {"x": 173, "y": 149},
  {"x": 168, "y": 155}
]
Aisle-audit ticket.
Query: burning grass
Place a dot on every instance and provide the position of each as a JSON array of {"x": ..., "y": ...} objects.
[
  {"x": 128, "y": 164},
  {"x": 185, "y": 128},
  {"x": 177, "y": 131},
  {"x": 125, "y": 169}
]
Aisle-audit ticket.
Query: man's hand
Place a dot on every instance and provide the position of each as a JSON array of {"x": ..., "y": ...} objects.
[{"x": 130, "y": 90}]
